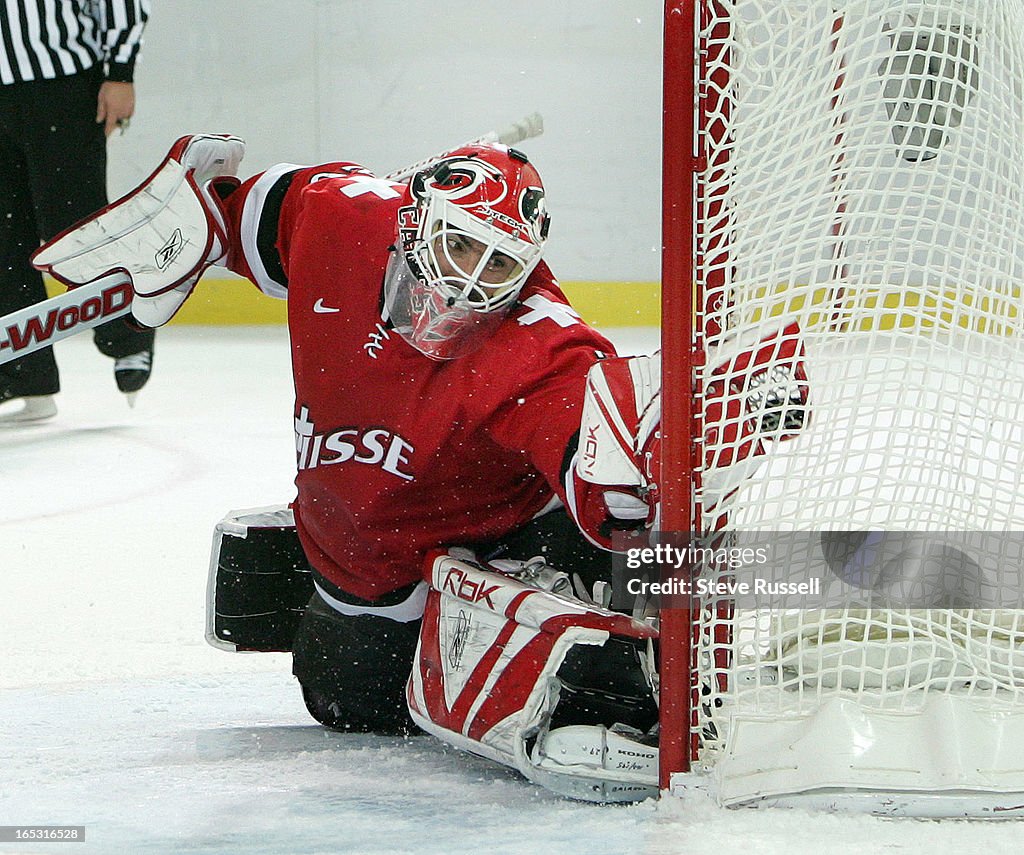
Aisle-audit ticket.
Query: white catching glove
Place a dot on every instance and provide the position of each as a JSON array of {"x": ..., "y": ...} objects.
[{"x": 164, "y": 234}]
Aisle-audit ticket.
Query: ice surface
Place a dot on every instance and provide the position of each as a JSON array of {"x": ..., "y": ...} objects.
[{"x": 116, "y": 715}]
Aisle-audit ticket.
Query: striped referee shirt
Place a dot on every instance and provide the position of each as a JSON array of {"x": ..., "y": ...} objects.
[{"x": 43, "y": 39}]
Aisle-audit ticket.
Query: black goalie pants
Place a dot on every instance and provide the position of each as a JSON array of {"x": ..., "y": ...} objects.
[{"x": 353, "y": 668}]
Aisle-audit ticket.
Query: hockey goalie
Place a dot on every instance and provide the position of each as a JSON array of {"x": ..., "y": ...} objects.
[{"x": 445, "y": 561}]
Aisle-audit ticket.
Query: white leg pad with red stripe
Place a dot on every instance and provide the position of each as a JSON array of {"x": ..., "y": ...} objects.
[{"x": 485, "y": 681}]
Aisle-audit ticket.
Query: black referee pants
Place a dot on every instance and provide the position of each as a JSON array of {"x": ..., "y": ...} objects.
[{"x": 53, "y": 172}]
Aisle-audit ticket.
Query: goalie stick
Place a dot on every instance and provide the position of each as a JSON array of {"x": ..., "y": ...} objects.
[
  {"x": 40, "y": 325},
  {"x": 110, "y": 296},
  {"x": 526, "y": 128}
]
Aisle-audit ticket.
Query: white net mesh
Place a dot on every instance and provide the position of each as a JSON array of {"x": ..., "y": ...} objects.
[{"x": 865, "y": 175}]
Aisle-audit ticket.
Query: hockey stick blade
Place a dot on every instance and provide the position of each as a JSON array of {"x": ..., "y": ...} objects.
[
  {"x": 34, "y": 327},
  {"x": 526, "y": 128}
]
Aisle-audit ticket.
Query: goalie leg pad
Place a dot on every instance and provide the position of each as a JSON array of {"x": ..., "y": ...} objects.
[
  {"x": 259, "y": 581},
  {"x": 486, "y": 679},
  {"x": 556, "y": 538},
  {"x": 208, "y": 156}
]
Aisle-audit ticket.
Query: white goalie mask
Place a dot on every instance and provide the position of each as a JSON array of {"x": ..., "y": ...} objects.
[{"x": 471, "y": 238}]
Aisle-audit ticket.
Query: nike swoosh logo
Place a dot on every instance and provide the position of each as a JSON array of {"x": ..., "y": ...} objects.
[{"x": 321, "y": 309}]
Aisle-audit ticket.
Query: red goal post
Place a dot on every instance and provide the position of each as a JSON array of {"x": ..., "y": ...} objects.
[{"x": 680, "y": 164}]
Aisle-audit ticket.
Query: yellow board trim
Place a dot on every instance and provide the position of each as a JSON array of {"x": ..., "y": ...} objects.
[
  {"x": 229, "y": 301},
  {"x": 866, "y": 307},
  {"x": 224, "y": 301}
]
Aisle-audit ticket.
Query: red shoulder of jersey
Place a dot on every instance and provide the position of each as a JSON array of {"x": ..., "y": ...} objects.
[
  {"x": 543, "y": 329},
  {"x": 537, "y": 364},
  {"x": 268, "y": 211}
]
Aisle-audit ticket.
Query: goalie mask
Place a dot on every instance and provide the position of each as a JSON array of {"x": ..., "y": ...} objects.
[{"x": 467, "y": 244}]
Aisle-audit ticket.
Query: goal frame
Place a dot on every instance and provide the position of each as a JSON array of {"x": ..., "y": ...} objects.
[
  {"x": 696, "y": 113},
  {"x": 681, "y": 164}
]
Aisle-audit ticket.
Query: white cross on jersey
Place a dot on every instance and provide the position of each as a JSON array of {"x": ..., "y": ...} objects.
[
  {"x": 541, "y": 307},
  {"x": 362, "y": 184}
]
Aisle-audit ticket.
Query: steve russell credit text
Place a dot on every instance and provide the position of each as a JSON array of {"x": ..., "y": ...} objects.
[{"x": 665, "y": 555}]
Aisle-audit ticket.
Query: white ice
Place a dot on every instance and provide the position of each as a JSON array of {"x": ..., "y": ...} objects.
[{"x": 116, "y": 715}]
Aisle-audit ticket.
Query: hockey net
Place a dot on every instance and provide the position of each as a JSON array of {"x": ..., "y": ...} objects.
[{"x": 857, "y": 168}]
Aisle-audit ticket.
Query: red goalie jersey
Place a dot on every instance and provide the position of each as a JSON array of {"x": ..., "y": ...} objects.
[{"x": 398, "y": 454}]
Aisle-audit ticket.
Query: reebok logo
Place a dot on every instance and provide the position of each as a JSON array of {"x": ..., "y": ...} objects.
[
  {"x": 458, "y": 583},
  {"x": 170, "y": 250},
  {"x": 321, "y": 309}
]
